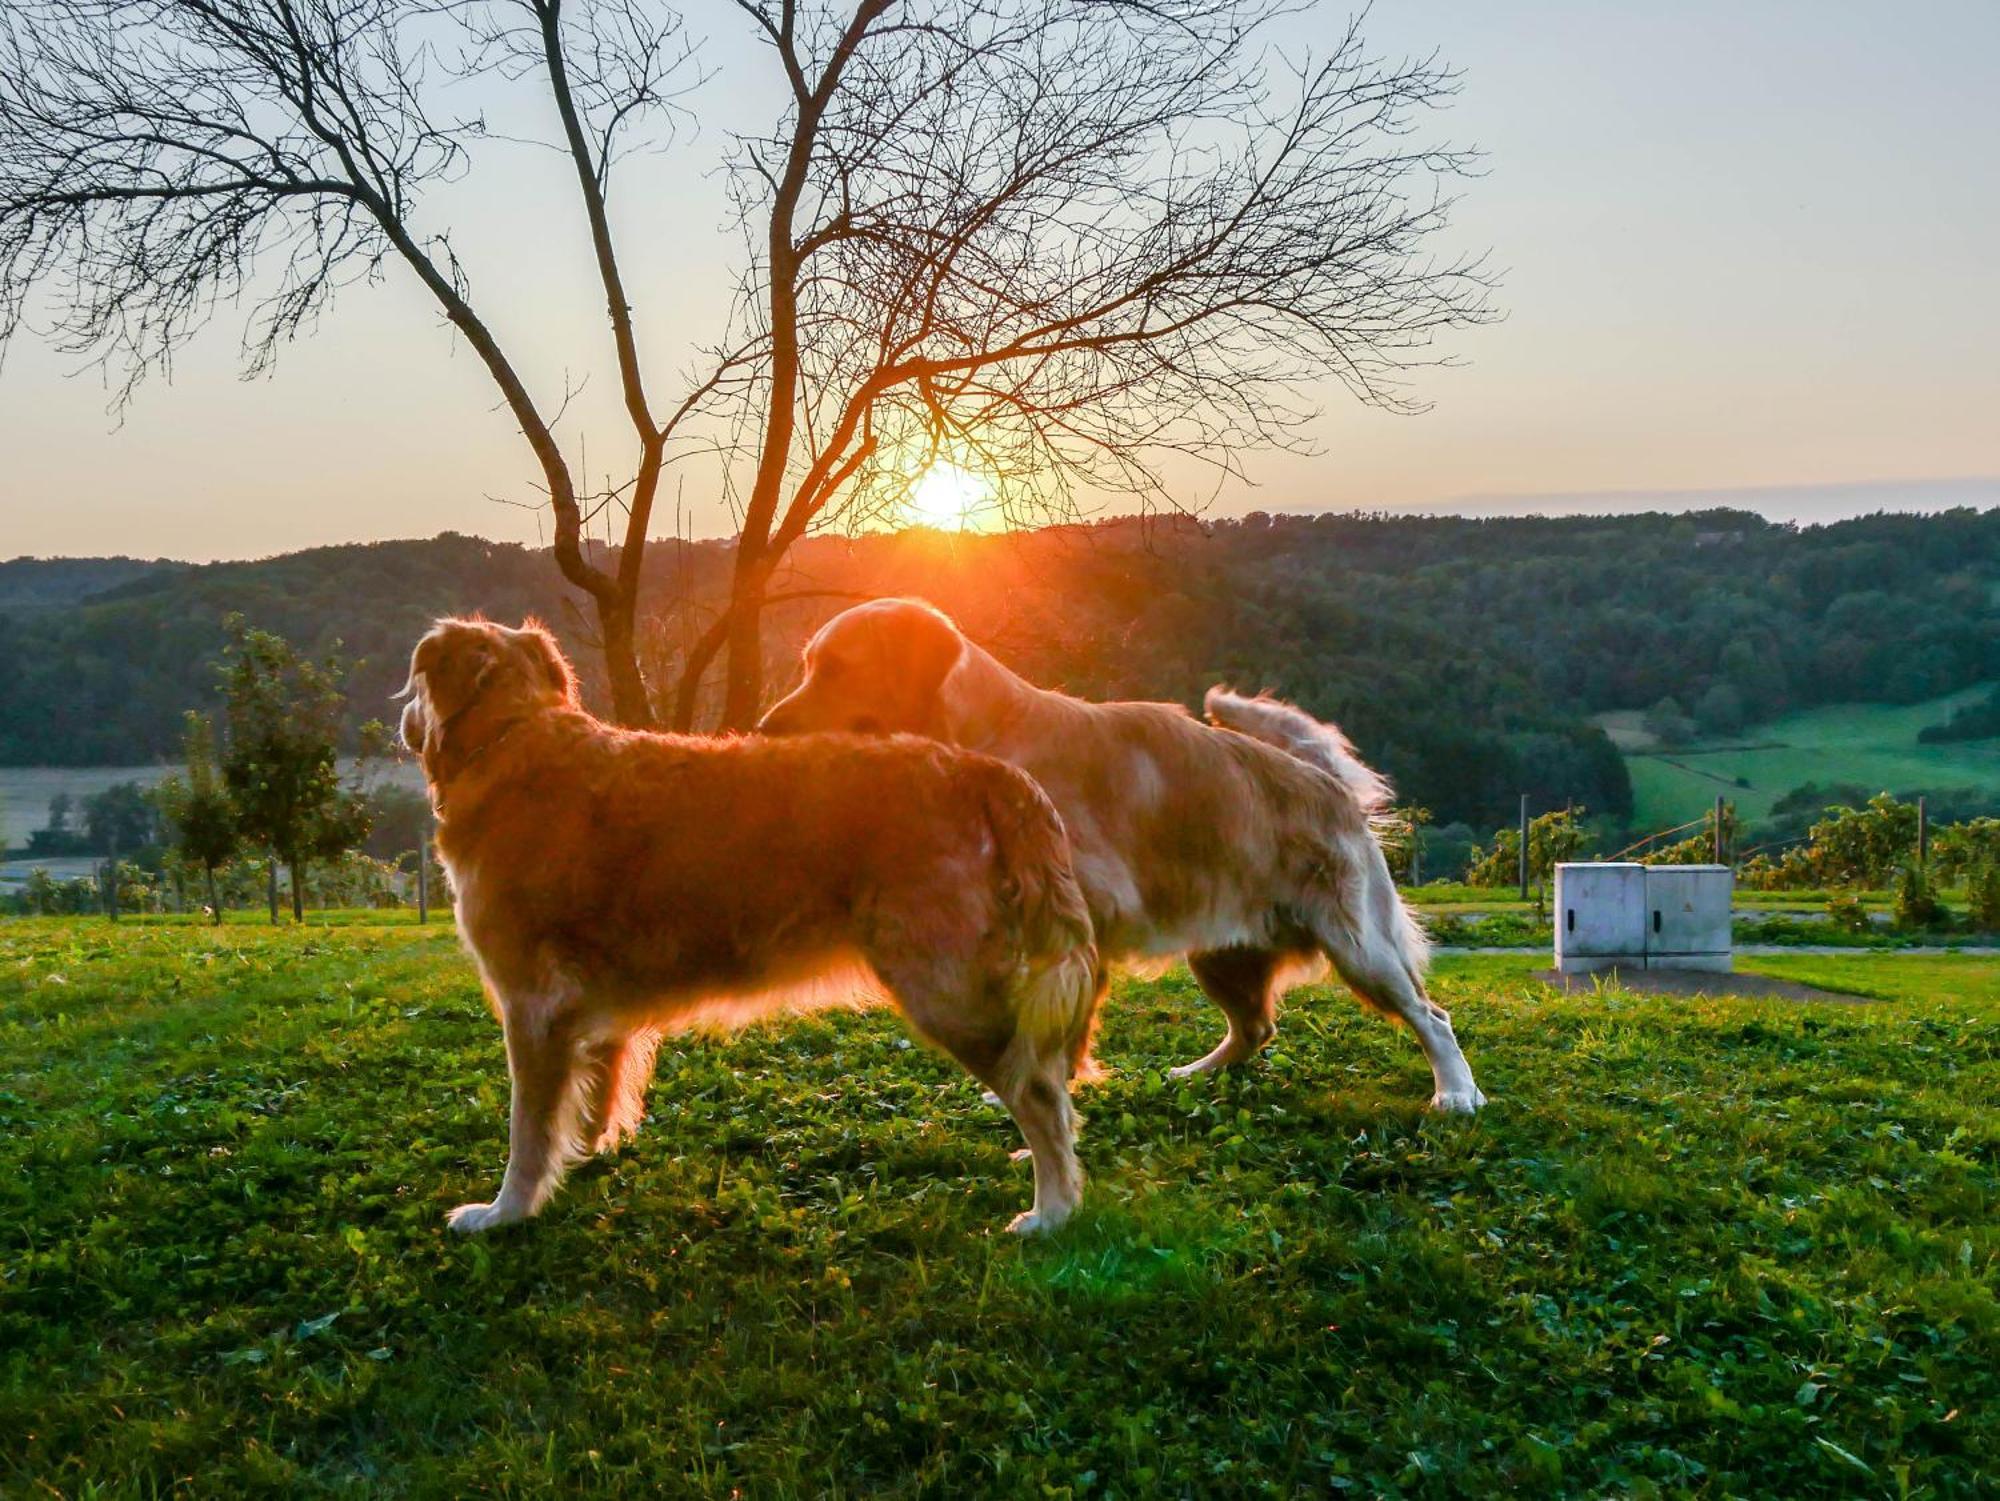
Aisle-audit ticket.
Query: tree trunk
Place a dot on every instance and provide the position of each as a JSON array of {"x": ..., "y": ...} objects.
[
  {"x": 630, "y": 705},
  {"x": 214, "y": 897},
  {"x": 743, "y": 689},
  {"x": 298, "y": 891}
]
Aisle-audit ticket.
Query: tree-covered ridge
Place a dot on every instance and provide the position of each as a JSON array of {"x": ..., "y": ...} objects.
[
  {"x": 54, "y": 583},
  {"x": 1463, "y": 655}
]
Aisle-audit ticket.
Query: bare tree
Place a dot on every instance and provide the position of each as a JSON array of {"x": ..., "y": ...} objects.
[
  {"x": 1056, "y": 242},
  {"x": 161, "y": 157}
]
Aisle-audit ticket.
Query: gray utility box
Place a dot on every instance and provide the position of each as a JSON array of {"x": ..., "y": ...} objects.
[
  {"x": 1601, "y": 916},
  {"x": 1687, "y": 925},
  {"x": 1622, "y": 914}
]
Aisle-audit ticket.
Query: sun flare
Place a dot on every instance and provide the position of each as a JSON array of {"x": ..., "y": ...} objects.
[{"x": 946, "y": 496}]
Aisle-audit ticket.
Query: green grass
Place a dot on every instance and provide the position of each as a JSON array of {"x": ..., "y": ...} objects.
[
  {"x": 1874, "y": 745},
  {"x": 1704, "y": 1248}
]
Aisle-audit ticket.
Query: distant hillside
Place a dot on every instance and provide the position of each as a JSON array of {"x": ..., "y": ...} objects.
[
  {"x": 105, "y": 681},
  {"x": 30, "y": 584},
  {"x": 1464, "y": 655},
  {"x": 1875, "y": 747}
]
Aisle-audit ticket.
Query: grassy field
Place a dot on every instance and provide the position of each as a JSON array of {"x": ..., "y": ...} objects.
[
  {"x": 1696, "y": 1248},
  {"x": 1874, "y": 745}
]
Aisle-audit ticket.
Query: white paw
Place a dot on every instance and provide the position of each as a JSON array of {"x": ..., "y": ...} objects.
[
  {"x": 469, "y": 1219},
  {"x": 991, "y": 1098},
  {"x": 1021, "y": 1154},
  {"x": 1189, "y": 1070},
  {"x": 1458, "y": 1101},
  {"x": 1038, "y": 1222}
]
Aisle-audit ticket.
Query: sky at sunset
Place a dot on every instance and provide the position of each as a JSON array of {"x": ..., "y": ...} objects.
[{"x": 1749, "y": 257}]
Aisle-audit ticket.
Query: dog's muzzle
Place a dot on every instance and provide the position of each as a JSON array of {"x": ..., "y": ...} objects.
[{"x": 413, "y": 725}]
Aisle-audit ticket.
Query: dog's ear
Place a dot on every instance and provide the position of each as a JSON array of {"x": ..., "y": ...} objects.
[
  {"x": 456, "y": 663},
  {"x": 550, "y": 663},
  {"x": 931, "y": 647}
]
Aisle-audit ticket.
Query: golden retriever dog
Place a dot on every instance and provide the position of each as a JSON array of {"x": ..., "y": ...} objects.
[
  {"x": 614, "y": 886},
  {"x": 1247, "y": 845}
]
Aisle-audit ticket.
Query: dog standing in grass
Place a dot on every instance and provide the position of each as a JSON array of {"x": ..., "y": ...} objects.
[
  {"x": 614, "y": 885},
  {"x": 1248, "y": 845}
]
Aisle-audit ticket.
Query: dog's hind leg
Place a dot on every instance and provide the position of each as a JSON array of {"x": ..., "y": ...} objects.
[
  {"x": 1083, "y": 1065},
  {"x": 1243, "y": 982},
  {"x": 1378, "y": 970},
  {"x": 543, "y": 1118},
  {"x": 618, "y": 1072},
  {"x": 1019, "y": 1040},
  {"x": 1039, "y": 1102}
]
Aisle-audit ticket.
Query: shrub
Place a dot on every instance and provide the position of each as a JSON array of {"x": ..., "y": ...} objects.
[
  {"x": 1917, "y": 906},
  {"x": 1552, "y": 839},
  {"x": 1983, "y": 898},
  {"x": 1847, "y": 912}
]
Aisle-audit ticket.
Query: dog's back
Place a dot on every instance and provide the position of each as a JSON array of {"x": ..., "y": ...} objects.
[{"x": 1249, "y": 847}]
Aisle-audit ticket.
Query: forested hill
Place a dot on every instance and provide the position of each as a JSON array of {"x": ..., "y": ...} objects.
[{"x": 1462, "y": 654}]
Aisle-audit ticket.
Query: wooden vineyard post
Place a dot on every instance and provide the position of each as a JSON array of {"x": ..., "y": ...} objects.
[{"x": 1524, "y": 846}]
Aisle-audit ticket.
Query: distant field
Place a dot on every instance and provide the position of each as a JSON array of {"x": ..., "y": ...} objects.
[
  {"x": 25, "y": 790},
  {"x": 1872, "y": 744}
]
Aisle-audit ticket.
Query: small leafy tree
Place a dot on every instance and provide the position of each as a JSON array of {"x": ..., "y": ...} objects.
[
  {"x": 121, "y": 819},
  {"x": 1960, "y": 851},
  {"x": 1720, "y": 711},
  {"x": 1552, "y": 839},
  {"x": 1864, "y": 846},
  {"x": 1669, "y": 723},
  {"x": 198, "y": 808},
  {"x": 1847, "y": 912},
  {"x": 280, "y": 761},
  {"x": 60, "y": 835},
  {"x": 1699, "y": 848},
  {"x": 1401, "y": 835},
  {"x": 1917, "y": 905},
  {"x": 1982, "y": 893}
]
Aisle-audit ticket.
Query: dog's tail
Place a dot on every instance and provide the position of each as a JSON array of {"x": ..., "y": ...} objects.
[
  {"x": 1311, "y": 740},
  {"x": 1055, "y": 999},
  {"x": 1323, "y": 745}
]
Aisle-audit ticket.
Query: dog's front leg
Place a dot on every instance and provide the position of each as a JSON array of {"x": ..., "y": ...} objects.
[{"x": 540, "y": 1062}]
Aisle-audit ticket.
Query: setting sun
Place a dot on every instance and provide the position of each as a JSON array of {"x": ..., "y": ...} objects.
[{"x": 946, "y": 496}]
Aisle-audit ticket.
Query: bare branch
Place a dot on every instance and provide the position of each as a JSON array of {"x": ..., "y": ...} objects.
[{"x": 1062, "y": 242}]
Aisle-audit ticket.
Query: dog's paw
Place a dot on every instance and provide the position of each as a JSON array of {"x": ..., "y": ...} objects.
[
  {"x": 1037, "y": 1222},
  {"x": 990, "y": 1098},
  {"x": 469, "y": 1219},
  {"x": 611, "y": 1139},
  {"x": 1458, "y": 1101}
]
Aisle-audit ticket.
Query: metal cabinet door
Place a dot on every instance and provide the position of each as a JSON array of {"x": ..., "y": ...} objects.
[
  {"x": 1687, "y": 919},
  {"x": 1600, "y": 915}
]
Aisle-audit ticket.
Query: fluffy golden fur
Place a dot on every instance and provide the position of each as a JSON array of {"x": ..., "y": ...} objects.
[
  {"x": 1246, "y": 845},
  {"x": 614, "y": 886}
]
